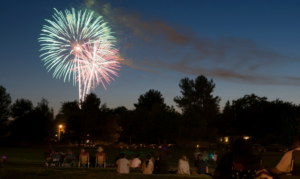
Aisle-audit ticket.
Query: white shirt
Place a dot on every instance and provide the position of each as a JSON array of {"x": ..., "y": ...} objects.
[
  {"x": 149, "y": 168},
  {"x": 135, "y": 163},
  {"x": 183, "y": 167},
  {"x": 285, "y": 163},
  {"x": 123, "y": 165}
]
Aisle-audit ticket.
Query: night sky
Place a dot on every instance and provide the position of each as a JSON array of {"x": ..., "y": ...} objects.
[{"x": 244, "y": 46}]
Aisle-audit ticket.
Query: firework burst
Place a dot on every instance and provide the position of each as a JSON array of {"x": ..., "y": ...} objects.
[
  {"x": 96, "y": 61},
  {"x": 68, "y": 32}
]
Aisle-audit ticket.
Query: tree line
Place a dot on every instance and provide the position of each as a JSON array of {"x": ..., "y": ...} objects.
[{"x": 151, "y": 120}]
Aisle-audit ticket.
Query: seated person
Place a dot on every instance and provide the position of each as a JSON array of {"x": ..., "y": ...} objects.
[
  {"x": 69, "y": 156},
  {"x": 99, "y": 154},
  {"x": 56, "y": 156},
  {"x": 148, "y": 166},
  {"x": 201, "y": 165},
  {"x": 136, "y": 162},
  {"x": 48, "y": 153},
  {"x": 122, "y": 164},
  {"x": 161, "y": 165},
  {"x": 84, "y": 157},
  {"x": 240, "y": 147},
  {"x": 284, "y": 166},
  {"x": 183, "y": 166}
]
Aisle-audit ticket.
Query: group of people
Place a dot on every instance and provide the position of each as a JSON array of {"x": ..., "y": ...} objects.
[
  {"x": 242, "y": 149},
  {"x": 159, "y": 165},
  {"x": 58, "y": 156}
]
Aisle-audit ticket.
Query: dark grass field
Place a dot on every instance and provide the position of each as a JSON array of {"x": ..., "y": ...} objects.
[{"x": 28, "y": 162}]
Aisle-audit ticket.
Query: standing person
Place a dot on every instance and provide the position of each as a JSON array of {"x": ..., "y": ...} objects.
[
  {"x": 183, "y": 166},
  {"x": 196, "y": 153},
  {"x": 148, "y": 166},
  {"x": 215, "y": 156},
  {"x": 240, "y": 147},
  {"x": 136, "y": 162},
  {"x": 48, "y": 153},
  {"x": 123, "y": 164},
  {"x": 204, "y": 156},
  {"x": 161, "y": 165},
  {"x": 201, "y": 165}
]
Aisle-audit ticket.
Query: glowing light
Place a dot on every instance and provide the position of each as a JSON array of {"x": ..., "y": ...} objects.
[
  {"x": 60, "y": 126},
  {"x": 197, "y": 145},
  {"x": 246, "y": 137},
  {"x": 226, "y": 139},
  {"x": 87, "y": 141},
  {"x": 70, "y": 30}
]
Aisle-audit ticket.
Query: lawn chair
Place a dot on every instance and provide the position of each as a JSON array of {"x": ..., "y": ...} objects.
[
  {"x": 100, "y": 160},
  {"x": 84, "y": 160},
  {"x": 55, "y": 159},
  {"x": 69, "y": 160},
  {"x": 245, "y": 166},
  {"x": 295, "y": 165}
]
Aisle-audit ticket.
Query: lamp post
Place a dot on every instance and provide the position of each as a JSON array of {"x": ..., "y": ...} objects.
[{"x": 59, "y": 132}]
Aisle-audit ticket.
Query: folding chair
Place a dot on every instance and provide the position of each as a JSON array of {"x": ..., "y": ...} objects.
[
  {"x": 245, "y": 166},
  {"x": 56, "y": 159},
  {"x": 100, "y": 160},
  {"x": 84, "y": 160},
  {"x": 295, "y": 165},
  {"x": 69, "y": 160}
]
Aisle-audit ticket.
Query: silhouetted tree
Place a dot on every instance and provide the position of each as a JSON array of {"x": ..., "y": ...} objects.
[
  {"x": 5, "y": 101},
  {"x": 30, "y": 123},
  {"x": 150, "y": 98},
  {"x": 267, "y": 121},
  {"x": 197, "y": 96},
  {"x": 90, "y": 121},
  {"x": 119, "y": 111},
  {"x": 151, "y": 120}
]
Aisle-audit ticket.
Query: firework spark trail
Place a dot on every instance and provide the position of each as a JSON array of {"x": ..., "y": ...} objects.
[
  {"x": 97, "y": 61},
  {"x": 68, "y": 31}
]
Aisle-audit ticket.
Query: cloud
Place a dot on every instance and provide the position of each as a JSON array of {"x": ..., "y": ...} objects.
[{"x": 229, "y": 58}]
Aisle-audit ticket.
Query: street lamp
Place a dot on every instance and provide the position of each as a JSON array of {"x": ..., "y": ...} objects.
[{"x": 59, "y": 132}]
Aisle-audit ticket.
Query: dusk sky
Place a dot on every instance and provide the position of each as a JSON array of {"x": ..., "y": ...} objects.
[{"x": 244, "y": 46}]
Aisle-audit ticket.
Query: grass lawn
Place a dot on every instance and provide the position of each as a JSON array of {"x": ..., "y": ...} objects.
[{"x": 28, "y": 162}]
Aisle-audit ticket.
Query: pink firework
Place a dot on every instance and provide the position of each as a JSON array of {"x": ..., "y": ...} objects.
[{"x": 96, "y": 62}]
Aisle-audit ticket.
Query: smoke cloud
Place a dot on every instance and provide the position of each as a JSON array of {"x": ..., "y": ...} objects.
[{"x": 183, "y": 51}]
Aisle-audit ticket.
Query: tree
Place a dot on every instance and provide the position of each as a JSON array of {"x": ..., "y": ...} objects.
[
  {"x": 197, "y": 96},
  {"x": 5, "y": 101},
  {"x": 31, "y": 124},
  {"x": 91, "y": 104},
  {"x": 266, "y": 121},
  {"x": 120, "y": 110},
  {"x": 92, "y": 120},
  {"x": 150, "y": 98}
]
